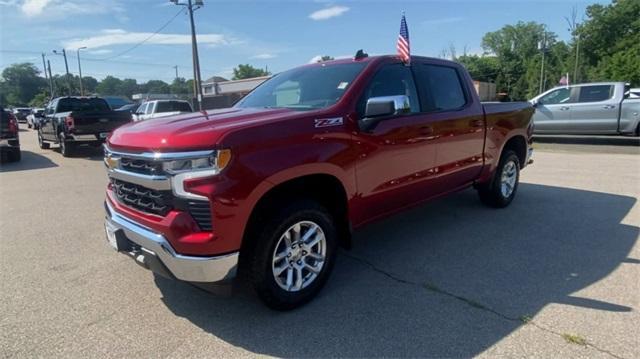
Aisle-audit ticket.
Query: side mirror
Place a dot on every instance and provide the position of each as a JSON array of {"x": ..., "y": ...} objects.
[
  {"x": 535, "y": 103},
  {"x": 379, "y": 107},
  {"x": 387, "y": 106}
]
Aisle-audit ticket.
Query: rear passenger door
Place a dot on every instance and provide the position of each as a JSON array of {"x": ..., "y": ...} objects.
[
  {"x": 596, "y": 110},
  {"x": 458, "y": 123}
]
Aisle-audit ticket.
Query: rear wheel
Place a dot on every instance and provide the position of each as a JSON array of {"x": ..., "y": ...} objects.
[
  {"x": 66, "y": 147},
  {"x": 43, "y": 145},
  {"x": 294, "y": 255},
  {"x": 502, "y": 189}
]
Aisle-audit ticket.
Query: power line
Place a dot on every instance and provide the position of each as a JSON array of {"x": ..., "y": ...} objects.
[{"x": 145, "y": 40}]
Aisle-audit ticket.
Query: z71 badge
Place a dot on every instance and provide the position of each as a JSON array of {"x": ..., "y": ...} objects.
[{"x": 328, "y": 122}]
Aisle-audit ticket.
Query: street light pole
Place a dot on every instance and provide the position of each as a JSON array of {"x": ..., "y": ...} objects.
[
  {"x": 191, "y": 6},
  {"x": 46, "y": 76},
  {"x": 66, "y": 66},
  {"x": 80, "y": 69},
  {"x": 543, "y": 47},
  {"x": 50, "y": 79}
]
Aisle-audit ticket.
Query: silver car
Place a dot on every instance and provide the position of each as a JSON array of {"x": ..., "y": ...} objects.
[{"x": 605, "y": 108}]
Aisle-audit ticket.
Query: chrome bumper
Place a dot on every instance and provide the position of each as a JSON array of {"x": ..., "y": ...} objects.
[{"x": 154, "y": 245}]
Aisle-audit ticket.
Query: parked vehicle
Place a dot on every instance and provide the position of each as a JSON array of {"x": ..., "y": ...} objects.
[
  {"x": 72, "y": 121},
  {"x": 9, "y": 137},
  {"x": 604, "y": 108},
  {"x": 161, "y": 108},
  {"x": 273, "y": 185},
  {"x": 33, "y": 119},
  {"x": 117, "y": 101},
  {"x": 634, "y": 93},
  {"x": 131, "y": 108},
  {"x": 21, "y": 113}
]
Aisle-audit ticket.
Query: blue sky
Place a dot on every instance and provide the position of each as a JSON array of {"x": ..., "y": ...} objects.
[{"x": 274, "y": 34}]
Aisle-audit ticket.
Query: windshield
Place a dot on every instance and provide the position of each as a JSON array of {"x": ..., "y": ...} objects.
[
  {"x": 82, "y": 104},
  {"x": 173, "y": 106},
  {"x": 304, "y": 88}
]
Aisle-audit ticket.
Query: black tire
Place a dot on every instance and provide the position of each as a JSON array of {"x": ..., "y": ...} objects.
[
  {"x": 14, "y": 156},
  {"x": 261, "y": 273},
  {"x": 66, "y": 147},
  {"x": 29, "y": 125},
  {"x": 491, "y": 194},
  {"x": 43, "y": 145}
]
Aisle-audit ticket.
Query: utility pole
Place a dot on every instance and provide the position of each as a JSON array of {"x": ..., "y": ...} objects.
[
  {"x": 80, "y": 69},
  {"x": 66, "y": 66},
  {"x": 575, "y": 68},
  {"x": 44, "y": 68},
  {"x": 543, "y": 48},
  {"x": 193, "y": 5},
  {"x": 51, "y": 79},
  {"x": 176, "y": 67}
]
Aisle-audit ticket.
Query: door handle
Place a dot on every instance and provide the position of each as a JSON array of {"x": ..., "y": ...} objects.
[
  {"x": 564, "y": 108},
  {"x": 608, "y": 107},
  {"x": 477, "y": 123}
]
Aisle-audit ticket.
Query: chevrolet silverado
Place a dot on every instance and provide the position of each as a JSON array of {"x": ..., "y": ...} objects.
[{"x": 271, "y": 187}]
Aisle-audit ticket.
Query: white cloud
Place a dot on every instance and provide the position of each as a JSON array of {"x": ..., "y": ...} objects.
[
  {"x": 100, "y": 52},
  {"x": 444, "y": 20},
  {"x": 264, "y": 56},
  {"x": 328, "y": 13},
  {"x": 111, "y": 37},
  {"x": 34, "y": 7}
]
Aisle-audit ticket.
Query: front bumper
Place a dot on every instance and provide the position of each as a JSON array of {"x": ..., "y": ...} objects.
[{"x": 153, "y": 251}]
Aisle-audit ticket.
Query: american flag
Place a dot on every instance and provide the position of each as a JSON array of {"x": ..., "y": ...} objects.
[{"x": 404, "y": 50}]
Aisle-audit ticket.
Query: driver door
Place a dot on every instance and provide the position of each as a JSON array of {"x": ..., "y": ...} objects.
[
  {"x": 553, "y": 111},
  {"x": 396, "y": 157}
]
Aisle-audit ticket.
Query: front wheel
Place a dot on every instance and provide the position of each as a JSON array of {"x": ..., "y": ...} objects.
[
  {"x": 43, "y": 145},
  {"x": 502, "y": 189},
  {"x": 294, "y": 255}
]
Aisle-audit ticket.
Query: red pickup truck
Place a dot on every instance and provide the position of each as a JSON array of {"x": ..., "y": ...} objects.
[{"x": 271, "y": 187}]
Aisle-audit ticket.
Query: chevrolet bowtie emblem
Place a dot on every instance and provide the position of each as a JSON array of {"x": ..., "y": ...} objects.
[{"x": 111, "y": 162}]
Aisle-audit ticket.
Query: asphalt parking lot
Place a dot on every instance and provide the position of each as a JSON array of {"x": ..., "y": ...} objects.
[{"x": 554, "y": 275}]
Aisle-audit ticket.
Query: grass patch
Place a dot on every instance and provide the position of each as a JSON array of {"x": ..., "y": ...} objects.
[
  {"x": 574, "y": 339},
  {"x": 526, "y": 319}
]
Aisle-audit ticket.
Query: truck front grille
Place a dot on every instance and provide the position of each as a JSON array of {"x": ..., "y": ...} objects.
[
  {"x": 141, "y": 166},
  {"x": 142, "y": 198}
]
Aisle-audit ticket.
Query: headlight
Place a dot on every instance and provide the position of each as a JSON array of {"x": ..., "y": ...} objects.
[{"x": 213, "y": 163}]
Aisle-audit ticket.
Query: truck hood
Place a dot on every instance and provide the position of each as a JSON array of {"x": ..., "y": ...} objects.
[{"x": 193, "y": 131}]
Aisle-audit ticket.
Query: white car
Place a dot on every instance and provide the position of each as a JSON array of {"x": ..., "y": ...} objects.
[
  {"x": 161, "y": 108},
  {"x": 33, "y": 119}
]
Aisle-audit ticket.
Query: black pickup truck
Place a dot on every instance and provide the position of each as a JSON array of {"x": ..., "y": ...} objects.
[
  {"x": 72, "y": 121},
  {"x": 9, "y": 137}
]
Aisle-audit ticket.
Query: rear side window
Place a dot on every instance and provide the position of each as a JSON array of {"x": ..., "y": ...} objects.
[
  {"x": 173, "y": 106},
  {"x": 556, "y": 97},
  {"x": 82, "y": 105},
  {"x": 440, "y": 87},
  {"x": 595, "y": 93}
]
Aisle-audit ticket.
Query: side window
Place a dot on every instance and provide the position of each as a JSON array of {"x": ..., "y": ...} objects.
[
  {"x": 142, "y": 109},
  {"x": 559, "y": 96},
  {"x": 391, "y": 80},
  {"x": 595, "y": 93},
  {"x": 440, "y": 87},
  {"x": 150, "y": 107}
]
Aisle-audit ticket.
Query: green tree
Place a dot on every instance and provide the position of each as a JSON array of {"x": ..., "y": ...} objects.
[
  {"x": 326, "y": 58},
  {"x": 20, "y": 83},
  {"x": 154, "y": 86},
  {"x": 247, "y": 71},
  {"x": 610, "y": 41},
  {"x": 89, "y": 84},
  {"x": 481, "y": 68},
  {"x": 40, "y": 100},
  {"x": 127, "y": 87},
  {"x": 109, "y": 86},
  {"x": 180, "y": 86}
]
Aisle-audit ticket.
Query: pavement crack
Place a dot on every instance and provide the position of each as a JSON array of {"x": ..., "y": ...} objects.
[{"x": 433, "y": 288}]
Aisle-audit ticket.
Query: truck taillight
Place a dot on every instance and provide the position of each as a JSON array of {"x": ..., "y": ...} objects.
[
  {"x": 70, "y": 122},
  {"x": 13, "y": 124}
]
